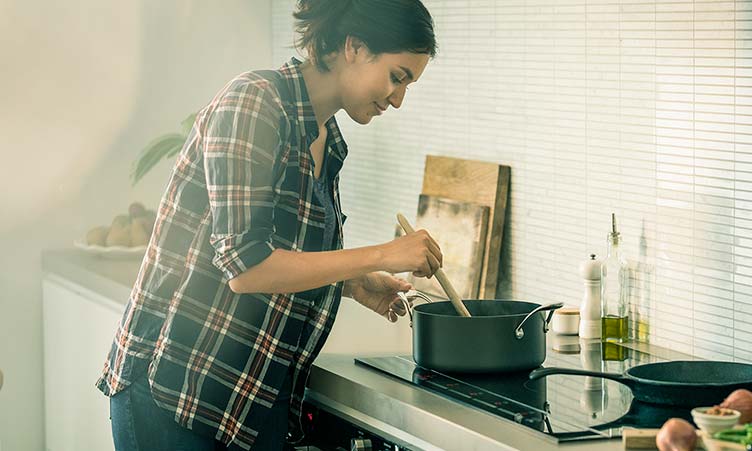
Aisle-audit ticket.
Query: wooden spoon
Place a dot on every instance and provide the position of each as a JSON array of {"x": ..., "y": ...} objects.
[{"x": 454, "y": 297}]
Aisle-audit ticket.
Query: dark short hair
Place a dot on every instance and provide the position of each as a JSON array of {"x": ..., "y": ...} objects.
[{"x": 384, "y": 26}]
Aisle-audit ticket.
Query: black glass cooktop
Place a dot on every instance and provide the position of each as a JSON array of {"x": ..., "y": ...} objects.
[{"x": 564, "y": 408}]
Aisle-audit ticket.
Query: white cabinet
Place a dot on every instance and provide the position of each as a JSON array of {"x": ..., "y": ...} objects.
[{"x": 78, "y": 329}]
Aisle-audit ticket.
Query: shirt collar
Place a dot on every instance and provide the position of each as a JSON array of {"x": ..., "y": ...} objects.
[
  {"x": 305, "y": 114},
  {"x": 302, "y": 101}
]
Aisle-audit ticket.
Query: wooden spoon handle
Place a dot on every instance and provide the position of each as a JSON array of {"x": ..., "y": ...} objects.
[{"x": 454, "y": 297}]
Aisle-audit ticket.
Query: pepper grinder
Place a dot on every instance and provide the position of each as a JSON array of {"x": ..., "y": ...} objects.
[{"x": 590, "y": 309}]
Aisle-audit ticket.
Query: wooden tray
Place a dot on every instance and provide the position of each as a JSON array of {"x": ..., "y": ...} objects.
[
  {"x": 460, "y": 228},
  {"x": 644, "y": 439},
  {"x": 478, "y": 182}
]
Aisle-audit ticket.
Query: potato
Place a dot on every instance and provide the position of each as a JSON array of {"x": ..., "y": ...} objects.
[
  {"x": 123, "y": 221},
  {"x": 136, "y": 209},
  {"x": 120, "y": 234},
  {"x": 140, "y": 232},
  {"x": 740, "y": 400},
  {"x": 97, "y": 236},
  {"x": 149, "y": 219},
  {"x": 676, "y": 435}
]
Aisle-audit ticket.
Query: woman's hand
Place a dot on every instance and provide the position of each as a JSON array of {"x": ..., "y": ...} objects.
[
  {"x": 378, "y": 292},
  {"x": 415, "y": 252}
]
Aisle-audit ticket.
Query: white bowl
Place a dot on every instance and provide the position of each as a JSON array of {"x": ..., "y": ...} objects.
[
  {"x": 111, "y": 252},
  {"x": 566, "y": 321},
  {"x": 713, "y": 423}
]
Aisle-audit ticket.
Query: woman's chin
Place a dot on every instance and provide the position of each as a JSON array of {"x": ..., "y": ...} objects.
[{"x": 362, "y": 118}]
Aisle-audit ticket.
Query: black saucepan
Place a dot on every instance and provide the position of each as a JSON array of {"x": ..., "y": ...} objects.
[
  {"x": 677, "y": 383},
  {"x": 500, "y": 336}
]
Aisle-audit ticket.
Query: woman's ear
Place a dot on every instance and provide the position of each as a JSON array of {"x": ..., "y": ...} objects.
[{"x": 354, "y": 48}]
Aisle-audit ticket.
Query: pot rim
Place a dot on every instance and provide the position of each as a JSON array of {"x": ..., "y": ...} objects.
[{"x": 417, "y": 308}]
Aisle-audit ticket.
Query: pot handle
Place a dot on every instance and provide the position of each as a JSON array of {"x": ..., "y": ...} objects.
[
  {"x": 519, "y": 333},
  {"x": 543, "y": 372},
  {"x": 406, "y": 301}
]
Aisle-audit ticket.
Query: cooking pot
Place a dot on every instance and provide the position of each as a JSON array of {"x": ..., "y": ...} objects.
[{"x": 502, "y": 335}]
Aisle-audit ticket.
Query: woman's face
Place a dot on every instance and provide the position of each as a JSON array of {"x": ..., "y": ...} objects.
[{"x": 371, "y": 83}]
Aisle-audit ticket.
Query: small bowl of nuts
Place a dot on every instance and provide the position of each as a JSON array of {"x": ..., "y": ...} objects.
[{"x": 714, "y": 419}]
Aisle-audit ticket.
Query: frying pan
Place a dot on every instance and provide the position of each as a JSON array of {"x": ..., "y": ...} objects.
[{"x": 678, "y": 383}]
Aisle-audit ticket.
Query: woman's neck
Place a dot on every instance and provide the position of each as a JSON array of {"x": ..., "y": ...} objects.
[{"x": 323, "y": 91}]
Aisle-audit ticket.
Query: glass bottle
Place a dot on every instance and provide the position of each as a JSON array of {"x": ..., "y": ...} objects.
[
  {"x": 614, "y": 290},
  {"x": 641, "y": 292}
]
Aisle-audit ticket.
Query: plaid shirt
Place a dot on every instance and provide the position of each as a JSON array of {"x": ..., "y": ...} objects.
[{"x": 241, "y": 187}]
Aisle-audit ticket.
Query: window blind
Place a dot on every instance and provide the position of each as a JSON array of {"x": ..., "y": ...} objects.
[{"x": 641, "y": 108}]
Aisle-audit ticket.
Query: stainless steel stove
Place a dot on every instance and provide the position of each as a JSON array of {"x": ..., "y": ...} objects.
[{"x": 561, "y": 408}]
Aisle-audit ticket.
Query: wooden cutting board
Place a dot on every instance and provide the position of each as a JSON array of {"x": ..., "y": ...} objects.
[
  {"x": 644, "y": 439},
  {"x": 480, "y": 183},
  {"x": 460, "y": 228}
]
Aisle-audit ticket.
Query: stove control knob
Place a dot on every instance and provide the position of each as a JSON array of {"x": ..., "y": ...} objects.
[{"x": 360, "y": 444}]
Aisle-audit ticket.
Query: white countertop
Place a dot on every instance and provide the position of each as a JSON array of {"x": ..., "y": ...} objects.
[{"x": 436, "y": 422}]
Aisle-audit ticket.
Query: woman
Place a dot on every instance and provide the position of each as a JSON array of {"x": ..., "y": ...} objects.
[{"x": 245, "y": 269}]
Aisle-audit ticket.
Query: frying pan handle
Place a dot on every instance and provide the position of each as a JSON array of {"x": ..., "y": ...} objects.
[
  {"x": 543, "y": 372},
  {"x": 406, "y": 302},
  {"x": 519, "y": 333}
]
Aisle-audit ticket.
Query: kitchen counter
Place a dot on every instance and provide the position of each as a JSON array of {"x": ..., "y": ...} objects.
[
  {"x": 422, "y": 418},
  {"x": 404, "y": 413},
  {"x": 112, "y": 279}
]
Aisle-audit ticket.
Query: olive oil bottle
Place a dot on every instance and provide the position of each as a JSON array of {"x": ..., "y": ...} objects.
[
  {"x": 614, "y": 290},
  {"x": 640, "y": 289},
  {"x": 613, "y": 352},
  {"x": 614, "y": 328}
]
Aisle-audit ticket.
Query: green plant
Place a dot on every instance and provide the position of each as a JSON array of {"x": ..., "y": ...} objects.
[{"x": 165, "y": 146}]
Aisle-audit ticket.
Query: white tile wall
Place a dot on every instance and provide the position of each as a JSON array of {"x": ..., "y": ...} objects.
[{"x": 640, "y": 107}]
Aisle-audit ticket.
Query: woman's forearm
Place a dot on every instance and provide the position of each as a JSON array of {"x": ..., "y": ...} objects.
[{"x": 291, "y": 272}]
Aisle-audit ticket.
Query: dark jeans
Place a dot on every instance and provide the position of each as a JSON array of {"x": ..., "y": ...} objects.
[{"x": 139, "y": 424}]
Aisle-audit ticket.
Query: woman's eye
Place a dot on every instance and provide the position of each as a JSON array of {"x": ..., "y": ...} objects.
[{"x": 396, "y": 79}]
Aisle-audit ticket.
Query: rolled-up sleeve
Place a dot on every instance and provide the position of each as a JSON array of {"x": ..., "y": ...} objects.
[{"x": 241, "y": 145}]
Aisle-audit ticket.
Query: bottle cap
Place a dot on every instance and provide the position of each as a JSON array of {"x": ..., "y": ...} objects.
[{"x": 614, "y": 236}]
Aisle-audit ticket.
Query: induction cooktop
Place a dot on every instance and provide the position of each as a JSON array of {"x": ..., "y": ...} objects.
[{"x": 561, "y": 407}]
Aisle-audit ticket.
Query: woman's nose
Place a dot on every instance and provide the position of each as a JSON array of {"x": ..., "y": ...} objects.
[{"x": 397, "y": 96}]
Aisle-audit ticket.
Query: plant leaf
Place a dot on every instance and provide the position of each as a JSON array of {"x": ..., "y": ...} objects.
[
  {"x": 154, "y": 152},
  {"x": 164, "y": 146},
  {"x": 187, "y": 124}
]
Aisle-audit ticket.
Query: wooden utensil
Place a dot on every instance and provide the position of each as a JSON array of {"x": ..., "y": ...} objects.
[
  {"x": 644, "y": 439},
  {"x": 440, "y": 276}
]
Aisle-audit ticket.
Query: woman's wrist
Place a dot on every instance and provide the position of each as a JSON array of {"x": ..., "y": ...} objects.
[
  {"x": 373, "y": 256},
  {"x": 350, "y": 286}
]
